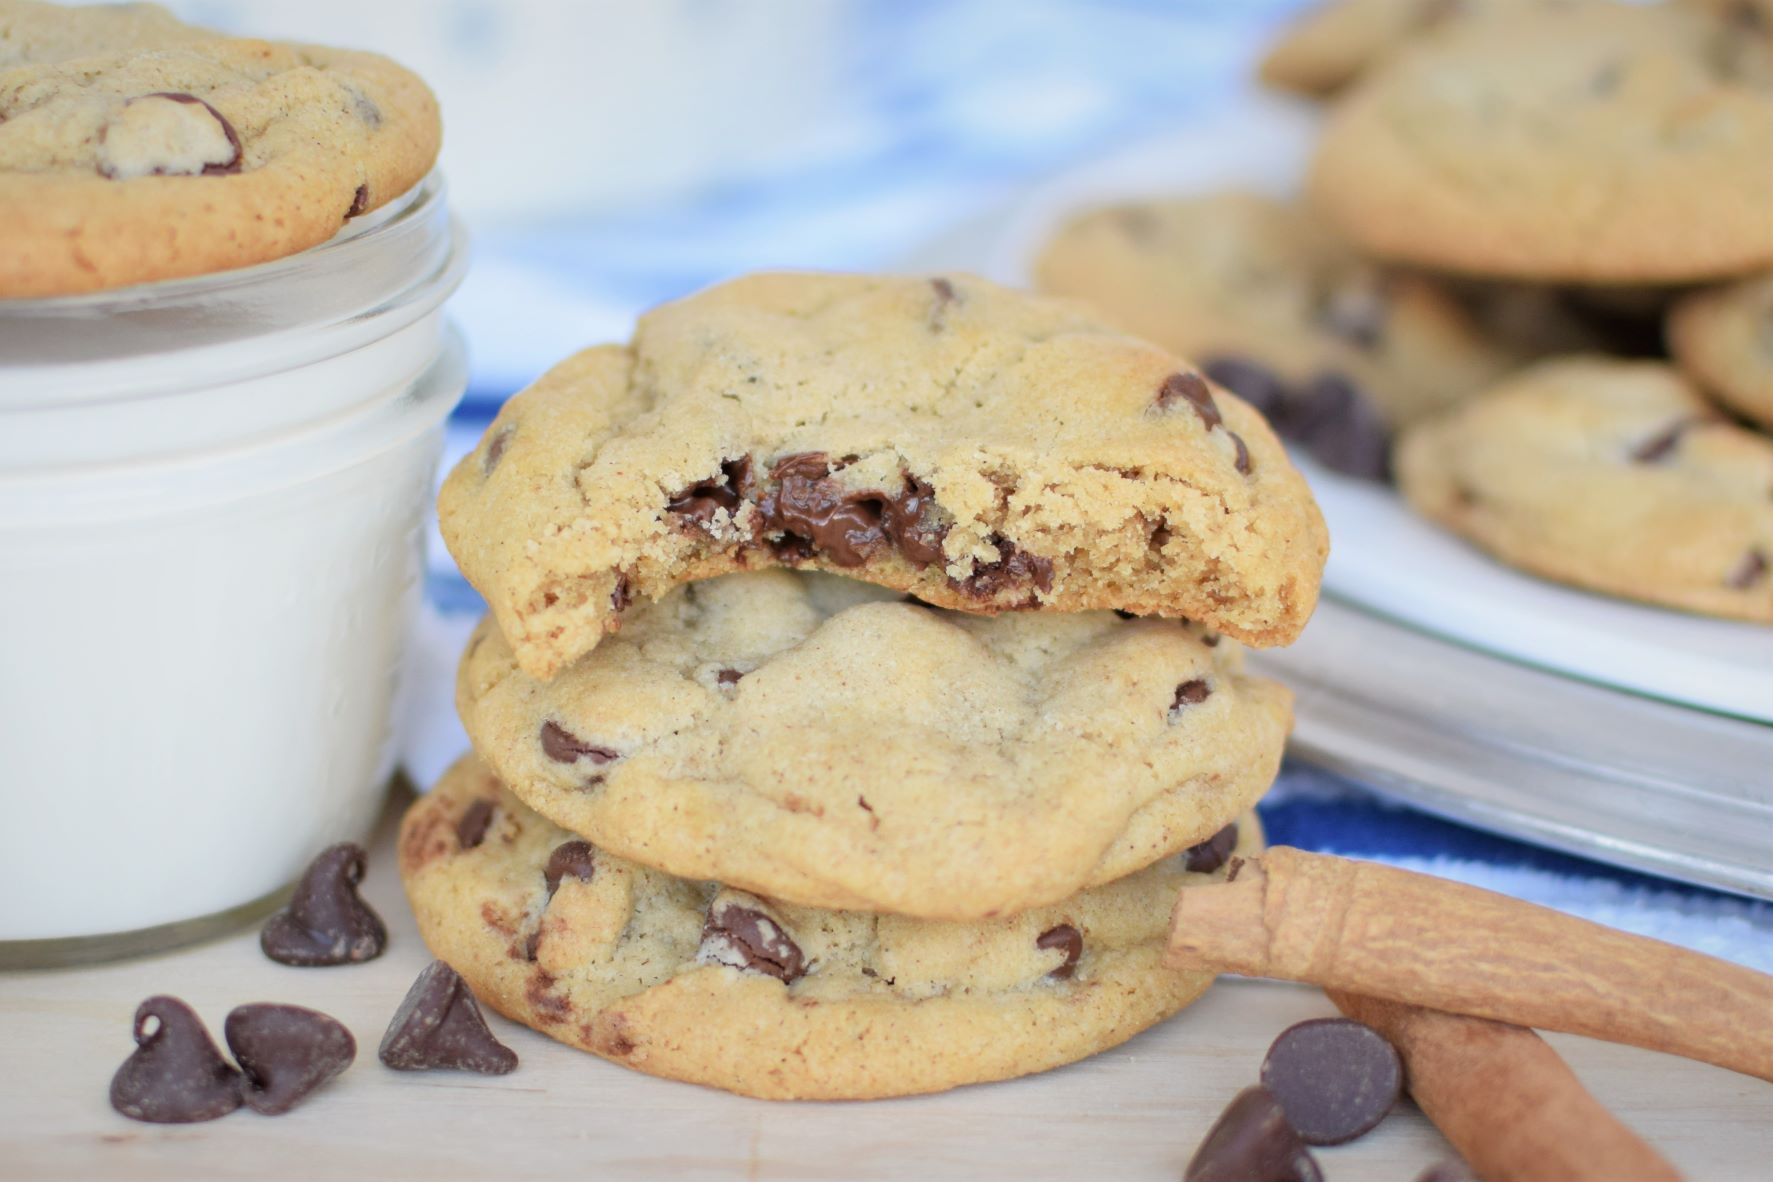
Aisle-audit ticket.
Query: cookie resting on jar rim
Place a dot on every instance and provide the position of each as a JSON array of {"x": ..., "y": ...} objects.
[{"x": 211, "y": 499}]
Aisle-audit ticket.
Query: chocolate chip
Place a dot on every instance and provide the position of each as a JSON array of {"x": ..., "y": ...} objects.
[
  {"x": 1189, "y": 693},
  {"x": 1355, "y": 310},
  {"x": 495, "y": 450},
  {"x": 1751, "y": 570},
  {"x": 1340, "y": 427},
  {"x": 910, "y": 523},
  {"x": 326, "y": 922},
  {"x": 1014, "y": 568},
  {"x": 1212, "y": 853},
  {"x": 1252, "y": 1142},
  {"x": 471, "y": 826},
  {"x": 176, "y": 1074},
  {"x": 1662, "y": 444},
  {"x": 215, "y": 168},
  {"x": 728, "y": 677},
  {"x": 1243, "y": 454},
  {"x": 1210, "y": 639},
  {"x": 285, "y": 1052},
  {"x": 562, "y": 746},
  {"x": 1066, "y": 939},
  {"x": 700, "y": 502},
  {"x": 1334, "y": 1078},
  {"x": 944, "y": 290},
  {"x": 1446, "y": 1171},
  {"x": 359, "y": 201},
  {"x": 1125, "y": 615},
  {"x": 1192, "y": 389},
  {"x": 748, "y": 939},
  {"x": 945, "y": 295},
  {"x": 1251, "y": 381},
  {"x": 440, "y": 1025},
  {"x": 846, "y": 525},
  {"x": 572, "y": 857},
  {"x": 365, "y": 108}
]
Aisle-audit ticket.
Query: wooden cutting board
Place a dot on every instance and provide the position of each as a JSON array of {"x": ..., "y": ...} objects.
[{"x": 1133, "y": 1113}]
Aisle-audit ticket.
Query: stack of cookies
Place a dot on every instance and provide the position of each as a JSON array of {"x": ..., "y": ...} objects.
[
  {"x": 861, "y": 684},
  {"x": 1527, "y": 279}
]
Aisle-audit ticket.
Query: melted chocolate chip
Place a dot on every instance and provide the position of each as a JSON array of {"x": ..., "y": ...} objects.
[
  {"x": 326, "y": 922},
  {"x": 1189, "y": 693},
  {"x": 1192, "y": 389},
  {"x": 562, "y": 746},
  {"x": 1748, "y": 572},
  {"x": 1212, "y": 853},
  {"x": 1662, "y": 444},
  {"x": 176, "y": 1074},
  {"x": 910, "y": 523},
  {"x": 699, "y": 503},
  {"x": 1066, "y": 939},
  {"x": 748, "y": 939},
  {"x": 1251, "y": 1140},
  {"x": 1015, "y": 568},
  {"x": 1334, "y": 1078},
  {"x": 359, "y": 201},
  {"x": 471, "y": 826},
  {"x": 572, "y": 857},
  {"x": 847, "y": 526},
  {"x": 285, "y": 1053},
  {"x": 728, "y": 677},
  {"x": 440, "y": 1025},
  {"x": 1253, "y": 382}
]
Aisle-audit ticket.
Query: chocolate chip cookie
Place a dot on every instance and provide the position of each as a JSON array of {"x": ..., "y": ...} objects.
[
  {"x": 1333, "y": 43},
  {"x": 1584, "y": 142},
  {"x": 698, "y": 981},
  {"x": 983, "y": 449},
  {"x": 134, "y": 147},
  {"x": 1723, "y": 338},
  {"x": 1271, "y": 304},
  {"x": 824, "y": 741},
  {"x": 1616, "y": 476}
]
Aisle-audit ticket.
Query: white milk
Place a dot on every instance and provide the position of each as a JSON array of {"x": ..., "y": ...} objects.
[{"x": 211, "y": 493}]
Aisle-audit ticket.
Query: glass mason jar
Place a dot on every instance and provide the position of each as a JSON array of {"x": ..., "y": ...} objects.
[{"x": 212, "y": 493}]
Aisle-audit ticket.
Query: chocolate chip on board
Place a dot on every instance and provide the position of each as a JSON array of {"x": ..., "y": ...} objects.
[
  {"x": 1212, "y": 853},
  {"x": 439, "y": 1025},
  {"x": 1334, "y": 1078},
  {"x": 175, "y": 1075},
  {"x": 1252, "y": 1142},
  {"x": 1066, "y": 939},
  {"x": 745, "y": 938},
  {"x": 285, "y": 1053},
  {"x": 326, "y": 922}
]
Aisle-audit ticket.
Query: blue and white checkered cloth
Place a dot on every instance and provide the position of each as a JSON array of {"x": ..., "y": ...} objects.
[{"x": 962, "y": 105}]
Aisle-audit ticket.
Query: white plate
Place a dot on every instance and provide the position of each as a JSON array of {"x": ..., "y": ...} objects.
[{"x": 1384, "y": 558}]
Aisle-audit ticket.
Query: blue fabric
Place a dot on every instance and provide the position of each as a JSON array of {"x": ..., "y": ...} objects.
[{"x": 964, "y": 104}]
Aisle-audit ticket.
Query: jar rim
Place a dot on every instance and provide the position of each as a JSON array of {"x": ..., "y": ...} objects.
[{"x": 367, "y": 281}]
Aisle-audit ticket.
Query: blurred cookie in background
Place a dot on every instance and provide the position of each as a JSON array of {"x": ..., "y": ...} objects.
[{"x": 1723, "y": 339}]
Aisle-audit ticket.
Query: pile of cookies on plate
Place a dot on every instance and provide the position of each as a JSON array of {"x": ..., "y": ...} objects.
[
  {"x": 861, "y": 682},
  {"x": 1530, "y": 278}
]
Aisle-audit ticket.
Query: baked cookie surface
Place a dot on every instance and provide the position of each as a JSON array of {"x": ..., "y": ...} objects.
[
  {"x": 984, "y": 449},
  {"x": 1235, "y": 279},
  {"x": 820, "y": 740},
  {"x": 1587, "y": 142},
  {"x": 1615, "y": 476},
  {"x": 699, "y": 982},
  {"x": 136, "y": 148},
  {"x": 1723, "y": 339}
]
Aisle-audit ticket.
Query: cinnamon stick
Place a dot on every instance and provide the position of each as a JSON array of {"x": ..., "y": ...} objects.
[
  {"x": 1509, "y": 1104},
  {"x": 1388, "y": 933}
]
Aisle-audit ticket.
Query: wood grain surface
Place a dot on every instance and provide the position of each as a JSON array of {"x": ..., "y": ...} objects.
[{"x": 1133, "y": 1113}]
